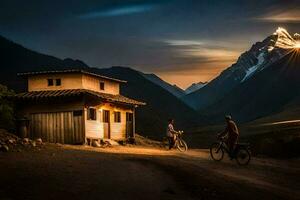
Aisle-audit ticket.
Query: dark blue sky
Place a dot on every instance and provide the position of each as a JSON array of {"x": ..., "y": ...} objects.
[{"x": 183, "y": 41}]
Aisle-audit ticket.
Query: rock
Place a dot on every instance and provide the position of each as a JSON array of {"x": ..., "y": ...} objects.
[
  {"x": 39, "y": 141},
  {"x": 26, "y": 141},
  {"x": 11, "y": 141},
  {"x": 111, "y": 142},
  {"x": 95, "y": 143},
  {"x": 33, "y": 143},
  {"x": 4, "y": 148}
]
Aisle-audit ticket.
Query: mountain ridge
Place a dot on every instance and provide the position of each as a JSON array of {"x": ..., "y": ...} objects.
[
  {"x": 173, "y": 89},
  {"x": 258, "y": 57},
  {"x": 268, "y": 93},
  {"x": 194, "y": 87}
]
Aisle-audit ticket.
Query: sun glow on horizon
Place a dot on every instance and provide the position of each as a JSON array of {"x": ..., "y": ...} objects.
[{"x": 297, "y": 45}]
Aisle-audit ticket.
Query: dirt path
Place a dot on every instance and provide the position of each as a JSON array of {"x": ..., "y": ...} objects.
[{"x": 60, "y": 172}]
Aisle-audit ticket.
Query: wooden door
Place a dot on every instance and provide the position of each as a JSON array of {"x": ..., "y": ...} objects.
[
  {"x": 129, "y": 125},
  {"x": 106, "y": 124}
]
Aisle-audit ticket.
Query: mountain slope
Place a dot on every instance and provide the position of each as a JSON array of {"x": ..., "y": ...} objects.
[
  {"x": 260, "y": 56},
  {"x": 15, "y": 58},
  {"x": 173, "y": 89},
  {"x": 194, "y": 87},
  {"x": 151, "y": 119},
  {"x": 270, "y": 91}
]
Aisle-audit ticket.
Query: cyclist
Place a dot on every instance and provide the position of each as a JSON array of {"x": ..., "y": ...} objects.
[
  {"x": 232, "y": 133},
  {"x": 171, "y": 133}
]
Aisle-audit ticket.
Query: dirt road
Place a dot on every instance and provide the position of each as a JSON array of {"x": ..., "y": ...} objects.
[{"x": 75, "y": 172}]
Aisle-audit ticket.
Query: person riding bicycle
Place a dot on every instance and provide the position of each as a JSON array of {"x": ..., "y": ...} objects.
[
  {"x": 232, "y": 132},
  {"x": 171, "y": 133}
]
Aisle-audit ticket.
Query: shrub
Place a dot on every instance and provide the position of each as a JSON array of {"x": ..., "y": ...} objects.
[{"x": 6, "y": 108}]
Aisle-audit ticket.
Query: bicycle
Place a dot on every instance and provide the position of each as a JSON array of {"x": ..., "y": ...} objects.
[
  {"x": 241, "y": 153},
  {"x": 180, "y": 144}
]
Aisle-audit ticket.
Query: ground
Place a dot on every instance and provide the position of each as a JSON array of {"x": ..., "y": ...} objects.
[{"x": 79, "y": 172}]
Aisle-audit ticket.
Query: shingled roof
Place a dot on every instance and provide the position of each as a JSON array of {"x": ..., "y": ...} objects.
[
  {"x": 70, "y": 71},
  {"x": 77, "y": 92}
]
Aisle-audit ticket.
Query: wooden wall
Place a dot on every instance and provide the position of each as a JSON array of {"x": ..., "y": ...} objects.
[
  {"x": 68, "y": 81},
  {"x": 92, "y": 83},
  {"x": 54, "y": 120},
  {"x": 57, "y": 127},
  {"x": 25, "y": 108},
  {"x": 72, "y": 81},
  {"x": 95, "y": 128}
]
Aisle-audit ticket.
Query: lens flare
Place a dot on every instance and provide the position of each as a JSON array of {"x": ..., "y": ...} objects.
[{"x": 297, "y": 45}]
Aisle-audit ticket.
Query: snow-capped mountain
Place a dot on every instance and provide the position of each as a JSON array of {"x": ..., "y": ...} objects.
[
  {"x": 274, "y": 90},
  {"x": 194, "y": 87},
  {"x": 280, "y": 43},
  {"x": 259, "y": 57}
]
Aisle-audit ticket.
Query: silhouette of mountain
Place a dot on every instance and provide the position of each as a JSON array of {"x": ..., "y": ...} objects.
[
  {"x": 194, "y": 87},
  {"x": 173, "y": 89}
]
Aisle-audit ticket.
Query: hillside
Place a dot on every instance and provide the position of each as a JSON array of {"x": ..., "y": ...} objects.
[
  {"x": 15, "y": 58},
  {"x": 151, "y": 119},
  {"x": 194, "y": 87},
  {"x": 173, "y": 89}
]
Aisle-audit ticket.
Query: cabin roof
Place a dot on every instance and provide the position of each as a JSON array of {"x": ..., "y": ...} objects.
[
  {"x": 77, "y": 92},
  {"x": 70, "y": 71}
]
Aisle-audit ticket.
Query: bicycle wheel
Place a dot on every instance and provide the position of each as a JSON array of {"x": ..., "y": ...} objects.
[
  {"x": 216, "y": 152},
  {"x": 243, "y": 156},
  {"x": 181, "y": 145}
]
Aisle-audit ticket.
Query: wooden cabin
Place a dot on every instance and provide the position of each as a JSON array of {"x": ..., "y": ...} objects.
[{"x": 73, "y": 106}]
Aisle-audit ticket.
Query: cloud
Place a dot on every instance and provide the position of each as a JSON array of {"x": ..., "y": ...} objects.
[
  {"x": 118, "y": 11},
  {"x": 290, "y": 16},
  {"x": 202, "y": 52}
]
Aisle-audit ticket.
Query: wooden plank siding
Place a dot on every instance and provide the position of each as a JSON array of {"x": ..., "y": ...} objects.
[
  {"x": 57, "y": 121},
  {"x": 57, "y": 127},
  {"x": 72, "y": 81},
  {"x": 95, "y": 128}
]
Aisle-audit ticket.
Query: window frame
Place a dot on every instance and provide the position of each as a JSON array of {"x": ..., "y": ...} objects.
[
  {"x": 89, "y": 116},
  {"x": 117, "y": 117},
  {"x": 101, "y": 85},
  {"x": 50, "y": 82},
  {"x": 58, "y": 80}
]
